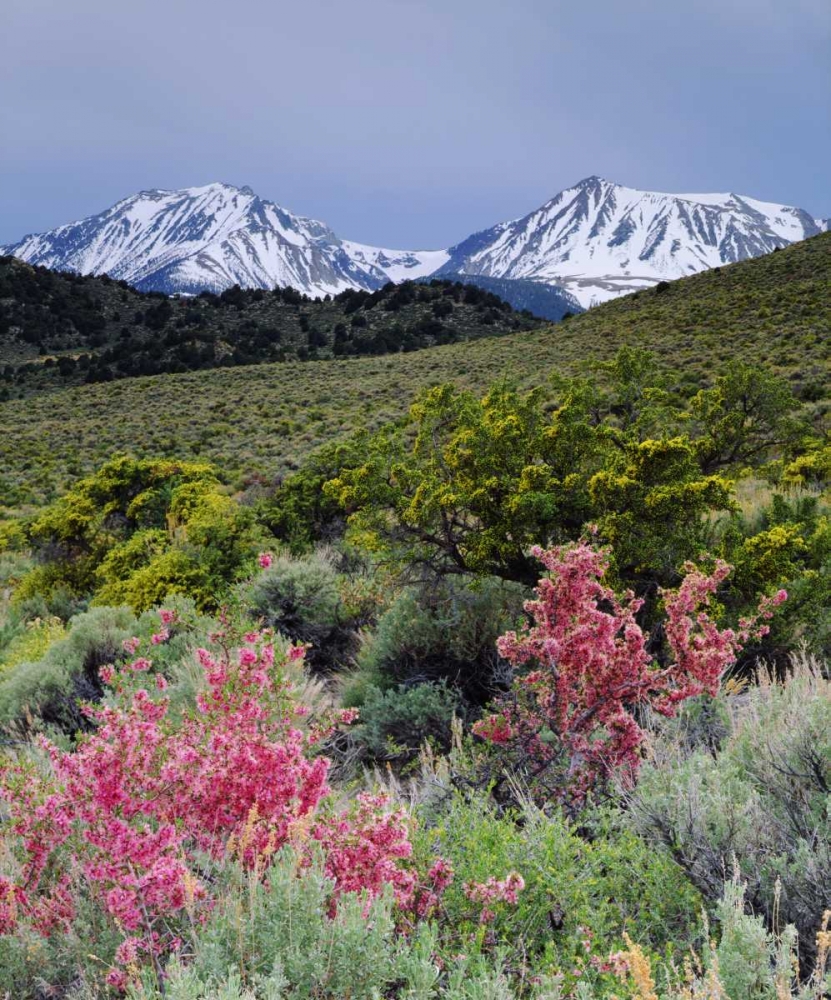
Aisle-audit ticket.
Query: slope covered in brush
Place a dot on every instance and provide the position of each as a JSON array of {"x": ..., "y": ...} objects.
[{"x": 261, "y": 421}]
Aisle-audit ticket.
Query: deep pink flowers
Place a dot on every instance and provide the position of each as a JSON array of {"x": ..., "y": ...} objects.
[
  {"x": 592, "y": 667},
  {"x": 495, "y": 891},
  {"x": 130, "y": 808},
  {"x": 494, "y": 728}
]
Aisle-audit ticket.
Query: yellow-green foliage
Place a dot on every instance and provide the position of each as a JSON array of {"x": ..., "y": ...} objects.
[
  {"x": 137, "y": 530},
  {"x": 811, "y": 469},
  {"x": 651, "y": 501},
  {"x": 12, "y": 536},
  {"x": 783, "y": 540},
  {"x": 487, "y": 478},
  {"x": 771, "y": 555},
  {"x": 32, "y": 642}
]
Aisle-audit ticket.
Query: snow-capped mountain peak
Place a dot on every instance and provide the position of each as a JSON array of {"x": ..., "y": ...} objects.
[
  {"x": 599, "y": 239},
  {"x": 596, "y": 239},
  {"x": 214, "y": 236}
]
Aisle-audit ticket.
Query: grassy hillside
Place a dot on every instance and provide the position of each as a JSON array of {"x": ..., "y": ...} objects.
[
  {"x": 60, "y": 329},
  {"x": 775, "y": 310},
  {"x": 260, "y": 421}
]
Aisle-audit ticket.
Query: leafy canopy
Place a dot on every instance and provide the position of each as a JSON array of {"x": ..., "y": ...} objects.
[{"x": 470, "y": 484}]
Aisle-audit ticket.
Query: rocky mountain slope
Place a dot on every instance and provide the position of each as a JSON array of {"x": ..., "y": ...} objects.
[{"x": 213, "y": 237}]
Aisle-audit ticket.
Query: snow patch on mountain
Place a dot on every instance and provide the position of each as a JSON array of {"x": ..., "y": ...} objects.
[{"x": 216, "y": 236}]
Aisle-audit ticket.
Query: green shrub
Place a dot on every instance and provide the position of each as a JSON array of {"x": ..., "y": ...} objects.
[
  {"x": 273, "y": 940},
  {"x": 46, "y": 692},
  {"x": 394, "y": 723},
  {"x": 12, "y": 536},
  {"x": 297, "y": 511},
  {"x": 138, "y": 530},
  {"x": 761, "y": 800},
  {"x": 446, "y": 632},
  {"x": 477, "y": 482},
  {"x": 786, "y": 543},
  {"x": 300, "y": 597},
  {"x": 580, "y": 894}
]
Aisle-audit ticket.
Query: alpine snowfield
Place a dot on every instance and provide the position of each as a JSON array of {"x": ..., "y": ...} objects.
[{"x": 595, "y": 240}]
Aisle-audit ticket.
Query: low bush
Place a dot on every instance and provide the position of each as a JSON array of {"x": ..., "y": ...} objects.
[
  {"x": 395, "y": 723},
  {"x": 787, "y": 543},
  {"x": 138, "y": 530},
  {"x": 300, "y": 597},
  {"x": 274, "y": 941},
  {"x": 762, "y": 799},
  {"x": 580, "y": 896},
  {"x": 30, "y": 642},
  {"x": 445, "y": 632},
  {"x": 46, "y": 692},
  {"x": 748, "y": 962}
]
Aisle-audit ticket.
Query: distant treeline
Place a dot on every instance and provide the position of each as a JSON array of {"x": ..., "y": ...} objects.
[{"x": 61, "y": 328}]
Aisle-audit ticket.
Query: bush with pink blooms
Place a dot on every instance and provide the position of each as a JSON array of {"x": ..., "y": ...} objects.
[
  {"x": 571, "y": 721},
  {"x": 197, "y": 841},
  {"x": 137, "y": 812}
]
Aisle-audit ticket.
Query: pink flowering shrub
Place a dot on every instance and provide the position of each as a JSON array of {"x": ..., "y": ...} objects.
[
  {"x": 134, "y": 810},
  {"x": 570, "y": 721},
  {"x": 495, "y": 891}
]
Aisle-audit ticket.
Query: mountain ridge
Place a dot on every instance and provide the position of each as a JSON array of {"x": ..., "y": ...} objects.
[
  {"x": 59, "y": 328},
  {"x": 586, "y": 236},
  {"x": 595, "y": 240},
  {"x": 211, "y": 237}
]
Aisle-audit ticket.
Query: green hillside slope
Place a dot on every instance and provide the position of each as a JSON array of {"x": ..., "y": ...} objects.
[{"x": 260, "y": 421}]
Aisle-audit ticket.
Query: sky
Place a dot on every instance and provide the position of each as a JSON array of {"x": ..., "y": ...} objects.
[{"x": 409, "y": 123}]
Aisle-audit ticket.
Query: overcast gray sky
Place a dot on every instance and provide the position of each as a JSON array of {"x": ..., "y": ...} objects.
[{"x": 409, "y": 123}]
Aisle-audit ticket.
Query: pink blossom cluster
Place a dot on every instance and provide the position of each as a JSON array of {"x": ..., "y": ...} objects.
[
  {"x": 427, "y": 897},
  {"x": 617, "y": 962},
  {"x": 130, "y": 807},
  {"x": 700, "y": 649},
  {"x": 12, "y": 900},
  {"x": 591, "y": 668},
  {"x": 362, "y": 849},
  {"x": 495, "y": 891}
]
